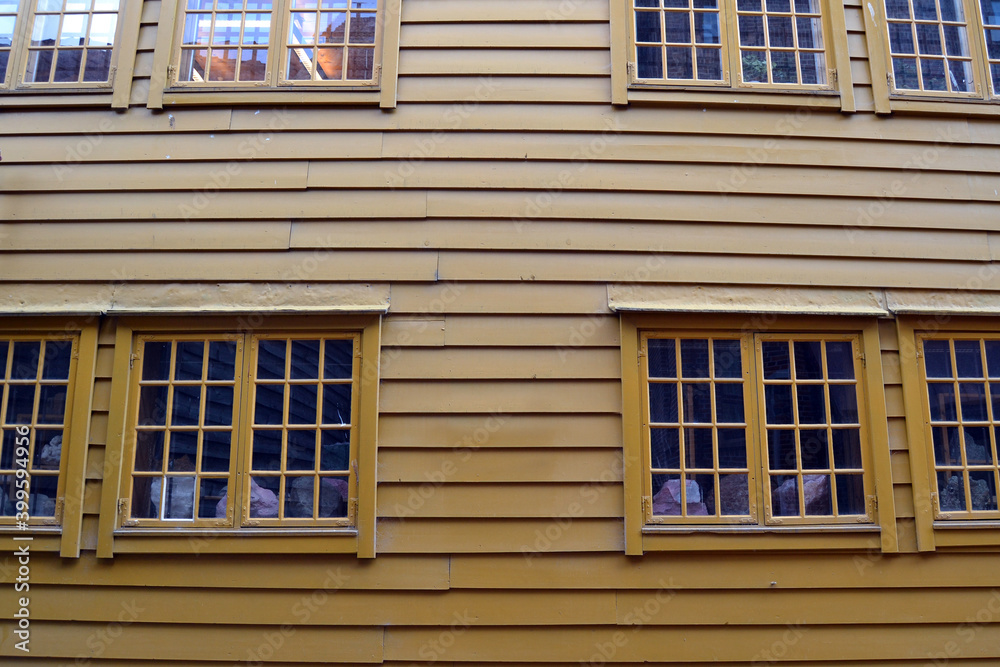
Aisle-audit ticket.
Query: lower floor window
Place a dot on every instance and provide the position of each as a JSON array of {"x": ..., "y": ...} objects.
[
  {"x": 755, "y": 428},
  {"x": 962, "y": 402},
  {"x": 35, "y": 387},
  {"x": 242, "y": 430}
]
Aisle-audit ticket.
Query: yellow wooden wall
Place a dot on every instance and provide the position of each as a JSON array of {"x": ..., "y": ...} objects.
[{"x": 501, "y": 400}]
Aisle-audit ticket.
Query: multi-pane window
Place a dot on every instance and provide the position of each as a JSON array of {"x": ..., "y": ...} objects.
[
  {"x": 267, "y": 420},
  {"x": 284, "y": 42},
  {"x": 776, "y": 43},
  {"x": 944, "y": 48},
  {"x": 35, "y": 388},
  {"x": 57, "y": 43},
  {"x": 962, "y": 380},
  {"x": 755, "y": 428}
]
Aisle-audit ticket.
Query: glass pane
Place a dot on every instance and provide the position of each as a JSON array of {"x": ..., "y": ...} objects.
[
  {"x": 45, "y": 30},
  {"x": 783, "y": 69},
  {"x": 362, "y": 28},
  {"x": 305, "y": 359},
  {"x": 51, "y": 404},
  {"x": 270, "y": 404},
  {"x": 815, "y": 453},
  {"x": 156, "y": 361},
  {"x": 751, "y": 31},
  {"x": 218, "y": 406},
  {"x": 57, "y": 358},
  {"x": 360, "y": 63},
  {"x": 961, "y": 76},
  {"x": 732, "y": 448},
  {"x": 74, "y": 30},
  {"x": 266, "y": 450},
  {"x": 973, "y": 398},
  {"x": 925, "y": 10},
  {"x": 223, "y": 67},
  {"x": 728, "y": 358},
  {"x": 929, "y": 39},
  {"x": 694, "y": 358},
  {"x": 178, "y": 500},
  {"x": 978, "y": 450},
  {"x": 995, "y": 399},
  {"x": 145, "y": 499},
  {"x": 663, "y": 402},
  {"x": 149, "y": 451},
  {"x": 98, "y": 65},
  {"x": 785, "y": 496},
  {"x": 734, "y": 495},
  {"x": 672, "y": 495},
  {"x": 650, "y": 59},
  {"x": 781, "y": 450},
  {"x": 264, "y": 497},
  {"x": 905, "y": 74},
  {"x": 968, "y": 359},
  {"x": 951, "y": 492},
  {"x": 697, "y": 403},
  {"x": 336, "y": 404},
  {"x": 901, "y": 38},
  {"x": 982, "y": 486},
  {"x": 782, "y": 6},
  {"x": 937, "y": 359},
  {"x": 24, "y": 364},
  {"x": 810, "y": 33},
  {"x": 39, "y": 66},
  {"x": 187, "y": 406},
  {"x": 333, "y": 495},
  {"x": 647, "y": 26},
  {"x": 67, "y": 66},
  {"x": 299, "y": 497},
  {"x": 816, "y": 492},
  {"x": 847, "y": 448},
  {"x": 729, "y": 403},
  {"x": 662, "y": 358},
  {"x": 215, "y": 451},
  {"x": 182, "y": 451},
  {"x": 20, "y": 404},
  {"x": 951, "y": 10},
  {"x": 942, "y": 401},
  {"x": 190, "y": 357},
  {"x": 212, "y": 499},
  {"x": 933, "y": 74},
  {"x": 698, "y": 448},
  {"x": 221, "y": 360},
  {"x": 946, "y": 446},
  {"x": 808, "y": 360},
  {"x": 257, "y": 29},
  {"x": 850, "y": 494},
  {"x": 775, "y": 360},
  {"x": 271, "y": 360},
  {"x": 706, "y": 489},
  {"x": 153, "y": 406},
  {"x": 48, "y": 449},
  {"x": 778, "y": 402},
  {"x": 679, "y": 64},
  {"x": 301, "y": 453},
  {"x": 664, "y": 444},
  {"x": 779, "y": 32},
  {"x": 44, "y": 490},
  {"x": 338, "y": 359},
  {"x": 843, "y": 404},
  {"x": 335, "y": 450},
  {"x": 955, "y": 41},
  {"x": 677, "y": 28},
  {"x": 197, "y": 28}
]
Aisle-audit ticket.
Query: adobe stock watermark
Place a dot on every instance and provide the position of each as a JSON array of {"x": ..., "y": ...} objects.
[{"x": 637, "y": 617}]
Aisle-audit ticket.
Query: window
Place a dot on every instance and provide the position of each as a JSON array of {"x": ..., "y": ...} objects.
[
  {"x": 961, "y": 377},
  {"x": 36, "y": 386},
  {"x": 756, "y": 47},
  {"x": 939, "y": 49},
  {"x": 65, "y": 45},
  {"x": 278, "y": 47},
  {"x": 773, "y": 436},
  {"x": 242, "y": 431}
]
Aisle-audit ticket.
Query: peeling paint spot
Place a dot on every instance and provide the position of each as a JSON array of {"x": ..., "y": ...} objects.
[
  {"x": 257, "y": 112},
  {"x": 871, "y": 10},
  {"x": 168, "y": 157}
]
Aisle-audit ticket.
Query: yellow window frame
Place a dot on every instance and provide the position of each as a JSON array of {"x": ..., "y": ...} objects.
[
  {"x": 167, "y": 89},
  {"x": 627, "y": 87},
  {"x": 761, "y": 529},
  {"x": 119, "y": 531},
  {"x": 936, "y": 528},
  {"x": 888, "y": 98},
  {"x": 62, "y": 532},
  {"x": 115, "y": 92}
]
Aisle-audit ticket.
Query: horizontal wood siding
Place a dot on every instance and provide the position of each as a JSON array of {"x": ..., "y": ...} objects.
[{"x": 498, "y": 201}]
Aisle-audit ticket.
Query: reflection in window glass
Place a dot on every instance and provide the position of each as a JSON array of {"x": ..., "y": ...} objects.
[
  {"x": 929, "y": 46},
  {"x": 964, "y": 409},
  {"x": 34, "y": 391},
  {"x": 69, "y": 45}
]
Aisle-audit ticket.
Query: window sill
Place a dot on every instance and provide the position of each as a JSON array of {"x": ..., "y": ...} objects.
[
  {"x": 56, "y": 98},
  {"x": 967, "y": 533},
  {"x": 339, "y": 96},
  {"x": 760, "y": 538},
  {"x": 48, "y": 539}
]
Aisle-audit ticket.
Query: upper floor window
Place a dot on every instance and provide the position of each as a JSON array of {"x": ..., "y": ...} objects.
[
  {"x": 285, "y": 42},
  {"x": 944, "y": 48},
  {"x": 58, "y": 44},
  {"x": 746, "y": 43}
]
